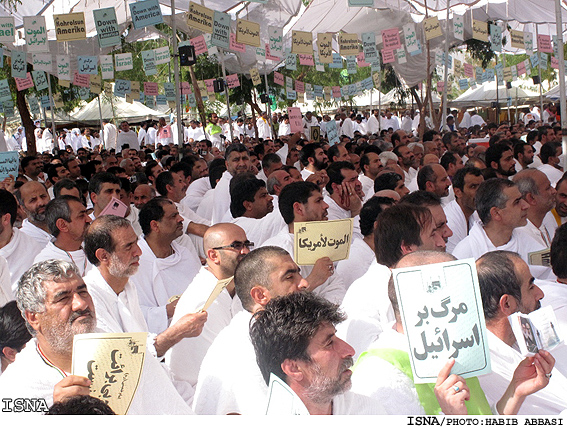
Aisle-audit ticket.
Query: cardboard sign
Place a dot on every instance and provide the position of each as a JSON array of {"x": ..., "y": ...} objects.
[
  {"x": 480, "y": 30},
  {"x": 107, "y": 66},
  {"x": 200, "y": 17},
  {"x": 248, "y": 32},
  {"x": 517, "y": 39},
  {"x": 255, "y": 76},
  {"x": 316, "y": 239},
  {"x": 107, "y": 30},
  {"x": 7, "y": 32},
  {"x": 40, "y": 80},
  {"x": 278, "y": 78},
  {"x": 315, "y": 133},
  {"x": 459, "y": 27},
  {"x": 348, "y": 44},
  {"x": 19, "y": 64},
  {"x": 391, "y": 38},
  {"x": 162, "y": 55},
  {"x": 145, "y": 13},
  {"x": 332, "y": 131},
  {"x": 441, "y": 310},
  {"x": 306, "y": 60},
  {"x": 151, "y": 88},
  {"x": 432, "y": 28},
  {"x": 113, "y": 363},
  {"x": 9, "y": 162},
  {"x": 149, "y": 62},
  {"x": 36, "y": 34},
  {"x": 232, "y": 81},
  {"x": 295, "y": 119},
  {"x": 87, "y": 64},
  {"x": 234, "y": 45},
  {"x": 276, "y": 41},
  {"x": 123, "y": 61},
  {"x": 70, "y": 26},
  {"x": 325, "y": 47},
  {"x": 42, "y": 62},
  {"x": 82, "y": 80},
  {"x": 221, "y": 30},
  {"x": 302, "y": 42}
]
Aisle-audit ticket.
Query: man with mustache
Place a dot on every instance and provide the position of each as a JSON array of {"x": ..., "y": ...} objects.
[
  {"x": 112, "y": 247},
  {"x": 56, "y": 305},
  {"x": 294, "y": 338},
  {"x": 68, "y": 222},
  {"x": 33, "y": 199},
  {"x": 166, "y": 267}
]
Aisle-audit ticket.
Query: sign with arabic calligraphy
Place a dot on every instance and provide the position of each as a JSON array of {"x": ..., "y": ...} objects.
[
  {"x": 42, "y": 62},
  {"x": 40, "y": 80},
  {"x": 87, "y": 64},
  {"x": 19, "y": 64},
  {"x": 9, "y": 162},
  {"x": 70, "y": 26},
  {"x": 302, "y": 42},
  {"x": 113, "y": 363},
  {"x": 36, "y": 33},
  {"x": 441, "y": 310},
  {"x": 248, "y": 33},
  {"x": 316, "y": 239}
]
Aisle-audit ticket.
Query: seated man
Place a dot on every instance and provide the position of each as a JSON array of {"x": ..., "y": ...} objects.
[
  {"x": 57, "y": 305},
  {"x": 294, "y": 338},
  {"x": 384, "y": 372},
  {"x": 238, "y": 387}
]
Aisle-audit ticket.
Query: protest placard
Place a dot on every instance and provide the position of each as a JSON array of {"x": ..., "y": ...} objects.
[{"x": 316, "y": 239}]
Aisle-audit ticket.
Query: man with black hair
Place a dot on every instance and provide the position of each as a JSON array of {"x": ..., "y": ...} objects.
[
  {"x": 252, "y": 208},
  {"x": 433, "y": 178},
  {"x": 370, "y": 166},
  {"x": 32, "y": 167},
  {"x": 461, "y": 212},
  {"x": 313, "y": 159},
  {"x": 166, "y": 267},
  {"x": 270, "y": 162},
  {"x": 294, "y": 338},
  {"x": 68, "y": 222},
  {"x": 500, "y": 158},
  {"x": 524, "y": 154},
  {"x": 152, "y": 170},
  {"x": 303, "y": 201},
  {"x": 102, "y": 188},
  {"x": 238, "y": 387},
  {"x": 13, "y": 334},
  {"x": 549, "y": 155}
]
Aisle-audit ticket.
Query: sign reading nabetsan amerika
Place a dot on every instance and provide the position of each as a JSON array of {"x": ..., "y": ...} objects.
[
  {"x": 145, "y": 13},
  {"x": 70, "y": 26},
  {"x": 200, "y": 17}
]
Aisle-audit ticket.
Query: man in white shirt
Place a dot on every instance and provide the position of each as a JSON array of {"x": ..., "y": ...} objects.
[
  {"x": 549, "y": 155},
  {"x": 303, "y": 201},
  {"x": 33, "y": 198},
  {"x": 461, "y": 212},
  {"x": 68, "y": 222},
  {"x": 538, "y": 193},
  {"x": 57, "y": 305},
  {"x": 370, "y": 166},
  {"x": 103, "y": 186},
  {"x": 560, "y": 211},
  {"x": 263, "y": 126},
  {"x": 16, "y": 247},
  {"x": 225, "y": 246},
  {"x": 194, "y": 132},
  {"x": 238, "y": 387},
  {"x": 346, "y": 126},
  {"x": 127, "y": 136},
  {"x": 507, "y": 286},
  {"x": 502, "y": 211},
  {"x": 313, "y": 159},
  {"x": 373, "y": 124},
  {"x": 166, "y": 267},
  {"x": 390, "y": 121},
  {"x": 309, "y": 120},
  {"x": 294, "y": 338},
  {"x": 109, "y": 133}
]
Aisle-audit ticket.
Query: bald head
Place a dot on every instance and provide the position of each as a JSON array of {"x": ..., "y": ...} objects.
[
  {"x": 222, "y": 234},
  {"x": 430, "y": 158},
  {"x": 143, "y": 194},
  {"x": 387, "y": 193}
]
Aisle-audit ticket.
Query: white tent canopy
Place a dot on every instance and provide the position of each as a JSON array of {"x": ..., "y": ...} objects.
[
  {"x": 485, "y": 95},
  {"x": 553, "y": 94},
  {"x": 135, "y": 112}
]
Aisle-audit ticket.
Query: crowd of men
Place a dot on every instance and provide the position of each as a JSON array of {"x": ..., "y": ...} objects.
[{"x": 213, "y": 209}]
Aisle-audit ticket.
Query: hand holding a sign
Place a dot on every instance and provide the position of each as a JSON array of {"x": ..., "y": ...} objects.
[
  {"x": 531, "y": 375},
  {"x": 451, "y": 391},
  {"x": 322, "y": 270},
  {"x": 9, "y": 184},
  {"x": 71, "y": 386}
]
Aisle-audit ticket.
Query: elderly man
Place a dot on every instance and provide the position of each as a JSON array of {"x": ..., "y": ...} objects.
[
  {"x": 238, "y": 387},
  {"x": 56, "y": 305},
  {"x": 277, "y": 181},
  {"x": 225, "y": 246},
  {"x": 142, "y": 194},
  {"x": 112, "y": 247},
  {"x": 507, "y": 286},
  {"x": 166, "y": 267},
  {"x": 502, "y": 211},
  {"x": 16, "y": 247},
  {"x": 33, "y": 198},
  {"x": 299, "y": 202},
  {"x": 68, "y": 222},
  {"x": 127, "y": 136},
  {"x": 294, "y": 338}
]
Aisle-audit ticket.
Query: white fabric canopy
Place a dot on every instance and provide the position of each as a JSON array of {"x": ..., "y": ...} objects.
[
  {"x": 485, "y": 94},
  {"x": 135, "y": 112}
]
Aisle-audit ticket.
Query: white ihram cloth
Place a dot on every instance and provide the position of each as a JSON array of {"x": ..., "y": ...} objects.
[
  {"x": 347, "y": 128},
  {"x": 262, "y": 229},
  {"x": 380, "y": 380},
  {"x": 205, "y": 210},
  {"x": 555, "y": 295},
  {"x": 221, "y": 198},
  {"x": 367, "y": 307},
  {"x": 332, "y": 289},
  {"x": 109, "y": 133},
  {"x": 367, "y": 186},
  {"x": 130, "y": 138},
  {"x": 132, "y": 217},
  {"x": 159, "y": 279},
  {"x": 458, "y": 224},
  {"x": 478, "y": 243},
  {"x": 503, "y": 361},
  {"x": 39, "y": 235},
  {"x": 230, "y": 380},
  {"x": 195, "y": 192},
  {"x": 185, "y": 358},
  {"x": 552, "y": 173},
  {"x": 335, "y": 212},
  {"x": 543, "y": 234},
  {"x": 359, "y": 260},
  {"x": 19, "y": 253},
  {"x": 122, "y": 314},
  {"x": 78, "y": 257},
  {"x": 349, "y": 403},
  {"x": 31, "y": 377},
  {"x": 5, "y": 283},
  {"x": 373, "y": 126}
]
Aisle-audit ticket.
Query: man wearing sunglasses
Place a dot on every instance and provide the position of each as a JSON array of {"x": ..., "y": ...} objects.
[{"x": 225, "y": 245}]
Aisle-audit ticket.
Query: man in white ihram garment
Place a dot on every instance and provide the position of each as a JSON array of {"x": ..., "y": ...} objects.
[
  {"x": 238, "y": 387},
  {"x": 56, "y": 305},
  {"x": 112, "y": 247},
  {"x": 225, "y": 246},
  {"x": 502, "y": 211},
  {"x": 166, "y": 267},
  {"x": 33, "y": 198},
  {"x": 16, "y": 247},
  {"x": 68, "y": 222},
  {"x": 299, "y": 202}
]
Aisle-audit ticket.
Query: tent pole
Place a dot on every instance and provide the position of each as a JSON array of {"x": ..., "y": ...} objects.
[
  {"x": 221, "y": 54},
  {"x": 51, "y": 108},
  {"x": 516, "y": 116},
  {"x": 539, "y": 74},
  {"x": 561, "y": 58},
  {"x": 101, "y": 125},
  {"x": 180, "y": 132},
  {"x": 446, "y": 68},
  {"x": 268, "y": 108},
  {"x": 379, "y": 108}
]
